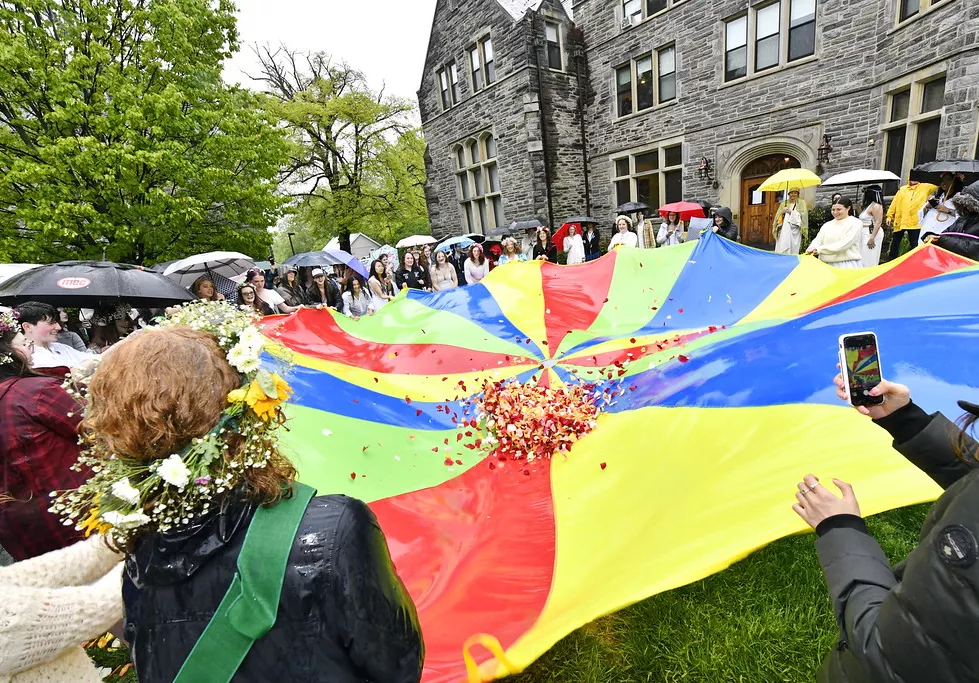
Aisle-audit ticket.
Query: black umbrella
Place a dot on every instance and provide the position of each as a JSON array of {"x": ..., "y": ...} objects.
[
  {"x": 312, "y": 258},
  {"x": 516, "y": 226},
  {"x": 92, "y": 284},
  {"x": 632, "y": 207},
  {"x": 931, "y": 172},
  {"x": 582, "y": 220}
]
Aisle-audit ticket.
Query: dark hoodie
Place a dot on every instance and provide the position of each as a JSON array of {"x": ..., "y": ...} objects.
[
  {"x": 963, "y": 237},
  {"x": 728, "y": 230},
  {"x": 344, "y": 616}
]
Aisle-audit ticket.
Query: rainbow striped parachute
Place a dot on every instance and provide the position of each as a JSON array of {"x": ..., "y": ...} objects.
[{"x": 726, "y": 404}]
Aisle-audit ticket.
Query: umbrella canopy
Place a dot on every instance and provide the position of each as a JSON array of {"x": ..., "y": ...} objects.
[
  {"x": 92, "y": 284},
  {"x": 516, "y": 226},
  {"x": 861, "y": 176},
  {"x": 345, "y": 258},
  {"x": 581, "y": 220},
  {"x": 788, "y": 178},
  {"x": 632, "y": 207},
  {"x": 415, "y": 241},
  {"x": 224, "y": 263},
  {"x": 380, "y": 252},
  {"x": 312, "y": 258},
  {"x": 461, "y": 242},
  {"x": 932, "y": 171},
  {"x": 687, "y": 210}
]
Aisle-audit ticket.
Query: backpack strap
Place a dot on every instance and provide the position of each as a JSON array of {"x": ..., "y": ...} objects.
[{"x": 248, "y": 609}]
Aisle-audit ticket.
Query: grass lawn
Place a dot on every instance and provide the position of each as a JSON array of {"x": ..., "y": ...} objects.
[{"x": 766, "y": 619}]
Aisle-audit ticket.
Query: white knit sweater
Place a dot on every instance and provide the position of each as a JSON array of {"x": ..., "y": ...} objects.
[{"x": 50, "y": 605}]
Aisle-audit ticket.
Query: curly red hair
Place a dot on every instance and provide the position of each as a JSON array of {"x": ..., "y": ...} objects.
[{"x": 162, "y": 388}]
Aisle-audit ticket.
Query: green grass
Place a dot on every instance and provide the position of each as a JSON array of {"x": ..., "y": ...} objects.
[{"x": 767, "y": 618}]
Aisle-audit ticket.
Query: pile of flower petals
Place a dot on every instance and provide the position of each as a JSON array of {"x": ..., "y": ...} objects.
[{"x": 529, "y": 422}]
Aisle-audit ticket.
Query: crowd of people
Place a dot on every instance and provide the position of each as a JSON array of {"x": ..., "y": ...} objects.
[{"x": 946, "y": 214}]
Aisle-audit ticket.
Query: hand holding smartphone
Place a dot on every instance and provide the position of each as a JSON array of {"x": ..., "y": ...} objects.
[{"x": 860, "y": 365}]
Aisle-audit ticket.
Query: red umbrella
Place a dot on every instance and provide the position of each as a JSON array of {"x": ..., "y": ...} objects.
[
  {"x": 687, "y": 210},
  {"x": 558, "y": 237}
]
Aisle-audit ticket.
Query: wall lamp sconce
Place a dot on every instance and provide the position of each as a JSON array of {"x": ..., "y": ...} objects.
[
  {"x": 823, "y": 151},
  {"x": 705, "y": 171}
]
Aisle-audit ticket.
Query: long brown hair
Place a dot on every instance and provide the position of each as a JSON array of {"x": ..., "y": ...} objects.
[{"x": 162, "y": 388}]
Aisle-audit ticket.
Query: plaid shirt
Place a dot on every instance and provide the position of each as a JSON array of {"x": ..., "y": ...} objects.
[{"x": 38, "y": 445}]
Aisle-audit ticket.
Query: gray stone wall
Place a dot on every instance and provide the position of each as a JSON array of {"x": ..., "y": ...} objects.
[
  {"x": 841, "y": 91},
  {"x": 509, "y": 108},
  {"x": 861, "y": 55}
]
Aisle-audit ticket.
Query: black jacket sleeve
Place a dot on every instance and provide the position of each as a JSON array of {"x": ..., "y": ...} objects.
[
  {"x": 920, "y": 628},
  {"x": 929, "y": 441},
  {"x": 379, "y": 624}
]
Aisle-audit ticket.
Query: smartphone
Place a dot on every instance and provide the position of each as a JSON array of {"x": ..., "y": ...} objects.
[{"x": 860, "y": 363}]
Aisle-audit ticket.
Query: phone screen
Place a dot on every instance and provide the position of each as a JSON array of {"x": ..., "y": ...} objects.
[{"x": 863, "y": 368}]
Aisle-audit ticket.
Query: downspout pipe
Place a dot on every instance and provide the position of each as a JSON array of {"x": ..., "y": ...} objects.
[{"x": 537, "y": 43}]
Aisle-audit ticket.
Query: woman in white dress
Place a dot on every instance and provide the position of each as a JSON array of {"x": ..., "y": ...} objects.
[
  {"x": 871, "y": 218},
  {"x": 574, "y": 247},
  {"x": 791, "y": 223},
  {"x": 624, "y": 236},
  {"x": 838, "y": 241},
  {"x": 670, "y": 230}
]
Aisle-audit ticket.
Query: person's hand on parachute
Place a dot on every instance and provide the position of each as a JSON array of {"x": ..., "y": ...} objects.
[
  {"x": 817, "y": 503},
  {"x": 896, "y": 396}
]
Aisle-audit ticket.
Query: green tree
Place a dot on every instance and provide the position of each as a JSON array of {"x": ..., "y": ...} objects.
[
  {"x": 357, "y": 162},
  {"x": 117, "y": 135}
]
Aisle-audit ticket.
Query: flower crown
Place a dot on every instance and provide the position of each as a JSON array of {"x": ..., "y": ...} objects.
[
  {"x": 126, "y": 497},
  {"x": 9, "y": 321}
]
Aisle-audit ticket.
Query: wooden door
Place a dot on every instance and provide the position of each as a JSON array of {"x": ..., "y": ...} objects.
[{"x": 757, "y": 213}]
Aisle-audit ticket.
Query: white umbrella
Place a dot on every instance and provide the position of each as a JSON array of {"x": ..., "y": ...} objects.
[
  {"x": 8, "y": 270},
  {"x": 861, "y": 176},
  {"x": 221, "y": 263},
  {"x": 415, "y": 241}
]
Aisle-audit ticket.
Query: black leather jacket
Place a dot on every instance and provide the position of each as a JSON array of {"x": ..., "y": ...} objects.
[{"x": 344, "y": 615}]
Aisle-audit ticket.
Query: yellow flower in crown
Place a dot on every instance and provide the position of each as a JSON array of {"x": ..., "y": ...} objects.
[
  {"x": 266, "y": 393},
  {"x": 93, "y": 523}
]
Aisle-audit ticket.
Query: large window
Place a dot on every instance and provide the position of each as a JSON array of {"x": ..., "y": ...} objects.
[
  {"x": 552, "y": 33},
  {"x": 653, "y": 176},
  {"x": 634, "y": 11},
  {"x": 914, "y": 121},
  {"x": 478, "y": 183},
  {"x": 912, "y": 8},
  {"x": 646, "y": 81},
  {"x": 482, "y": 66},
  {"x": 448, "y": 82},
  {"x": 781, "y": 32}
]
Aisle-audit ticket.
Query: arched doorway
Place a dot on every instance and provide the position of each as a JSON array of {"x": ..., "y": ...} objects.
[{"x": 758, "y": 208}]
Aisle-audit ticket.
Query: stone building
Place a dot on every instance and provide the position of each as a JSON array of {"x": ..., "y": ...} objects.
[{"x": 740, "y": 87}]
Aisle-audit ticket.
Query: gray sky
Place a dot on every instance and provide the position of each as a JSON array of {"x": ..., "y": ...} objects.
[{"x": 385, "y": 39}]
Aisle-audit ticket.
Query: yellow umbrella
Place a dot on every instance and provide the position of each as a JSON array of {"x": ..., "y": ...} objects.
[{"x": 790, "y": 177}]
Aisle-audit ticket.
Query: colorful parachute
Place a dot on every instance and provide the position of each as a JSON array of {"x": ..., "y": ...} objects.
[{"x": 725, "y": 405}]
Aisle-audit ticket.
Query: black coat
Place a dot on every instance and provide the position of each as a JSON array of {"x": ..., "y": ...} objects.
[
  {"x": 592, "y": 243},
  {"x": 729, "y": 229},
  {"x": 344, "y": 616},
  {"x": 332, "y": 298},
  {"x": 915, "y": 623},
  {"x": 967, "y": 205},
  {"x": 549, "y": 252}
]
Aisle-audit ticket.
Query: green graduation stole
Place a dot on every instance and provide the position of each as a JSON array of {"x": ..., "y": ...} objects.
[{"x": 248, "y": 609}]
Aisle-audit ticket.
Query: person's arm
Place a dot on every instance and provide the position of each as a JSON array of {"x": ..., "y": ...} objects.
[
  {"x": 467, "y": 268},
  {"x": 877, "y": 215},
  {"x": 662, "y": 235},
  {"x": 38, "y": 624},
  {"x": 379, "y": 624},
  {"x": 892, "y": 209},
  {"x": 347, "y": 302},
  {"x": 778, "y": 214},
  {"x": 78, "y": 564}
]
